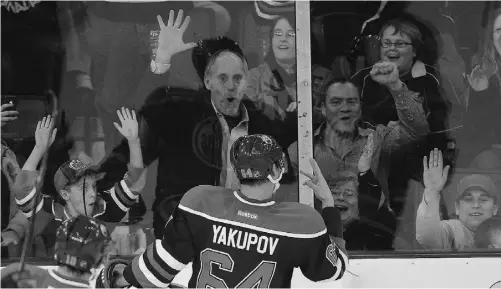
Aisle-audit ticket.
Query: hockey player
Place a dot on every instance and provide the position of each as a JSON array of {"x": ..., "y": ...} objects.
[
  {"x": 81, "y": 248},
  {"x": 75, "y": 181},
  {"x": 243, "y": 238}
]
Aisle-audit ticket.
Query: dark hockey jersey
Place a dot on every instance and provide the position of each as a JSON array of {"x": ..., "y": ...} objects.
[
  {"x": 234, "y": 241},
  {"x": 42, "y": 278}
]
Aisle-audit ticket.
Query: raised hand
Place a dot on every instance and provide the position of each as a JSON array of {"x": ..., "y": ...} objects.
[
  {"x": 170, "y": 39},
  {"x": 45, "y": 133},
  {"x": 385, "y": 73},
  {"x": 364, "y": 164},
  {"x": 477, "y": 79},
  {"x": 435, "y": 175},
  {"x": 8, "y": 115},
  {"x": 319, "y": 185},
  {"x": 129, "y": 128}
]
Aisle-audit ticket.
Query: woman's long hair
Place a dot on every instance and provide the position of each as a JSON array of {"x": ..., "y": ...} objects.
[
  {"x": 283, "y": 78},
  {"x": 487, "y": 57}
]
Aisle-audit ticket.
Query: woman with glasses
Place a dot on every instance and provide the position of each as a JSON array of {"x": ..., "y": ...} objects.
[
  {"x": 274, "y": 82},
  {"x": 401, "y": 42}
]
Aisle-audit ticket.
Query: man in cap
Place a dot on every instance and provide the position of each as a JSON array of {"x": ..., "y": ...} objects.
[
  {"x": 243, "y": 238},
  {"x": 477, "y": 201}
]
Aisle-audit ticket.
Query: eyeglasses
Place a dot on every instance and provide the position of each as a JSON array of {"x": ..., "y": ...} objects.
[
  {"x": 290, "y": 33},
  {"x": 398, "y": 44}
]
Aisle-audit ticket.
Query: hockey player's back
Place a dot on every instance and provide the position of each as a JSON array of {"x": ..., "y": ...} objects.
[
  {"x": 244, "y": 242},
  {"x": 243, "y": 238}
]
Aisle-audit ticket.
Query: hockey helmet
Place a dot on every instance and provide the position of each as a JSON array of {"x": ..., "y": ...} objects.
[
  {"x": 81, "y": 243},
  {"x": 253, "y": 156}
]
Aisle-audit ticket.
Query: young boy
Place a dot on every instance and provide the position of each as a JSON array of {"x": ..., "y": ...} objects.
[
  {"x": 82, "y": 247},
  {"x": 488, "y": 234},
  {"x": 75, "y": 182}
]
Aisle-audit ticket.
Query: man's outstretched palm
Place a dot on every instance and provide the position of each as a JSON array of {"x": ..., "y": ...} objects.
[
  {"x": 129, "y": 128},
  {"x": 435, "y": 175},
  {"x": 170, "y": 39}
]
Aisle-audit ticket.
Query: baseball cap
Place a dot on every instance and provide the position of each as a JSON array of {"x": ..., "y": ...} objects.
[
  {"x": 71, "y": 172},
  {"x": 253, "y": 156},
  {"x": 481, "y": 181}
]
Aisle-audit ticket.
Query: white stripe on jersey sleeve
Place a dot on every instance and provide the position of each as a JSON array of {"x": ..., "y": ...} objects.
[
  {"x": 153, "y": 280},
  {"x": 167, "y": 258}
]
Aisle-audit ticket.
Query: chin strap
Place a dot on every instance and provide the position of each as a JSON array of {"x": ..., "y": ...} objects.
[
  {"x": 276, "y": 182},
  {"x": 38, "y": 188}
]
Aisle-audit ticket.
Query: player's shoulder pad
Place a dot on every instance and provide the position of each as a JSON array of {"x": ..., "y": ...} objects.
[
  {"x": 197, "y": 197},
  {"x": 301, "y": 219}
]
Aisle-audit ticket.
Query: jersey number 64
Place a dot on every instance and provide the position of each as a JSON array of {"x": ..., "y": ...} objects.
[{"x": 260, "y": 277}]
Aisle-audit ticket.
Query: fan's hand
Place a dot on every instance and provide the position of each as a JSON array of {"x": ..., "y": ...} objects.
[
  {"x": 170, "y": 39},
  {"x": 129, "y": 128},
  {"x": 8, "y": 115},
  {"x": 386, "y": 73},
  {"x": 435, "y": 175},
  {"x": 364, "y": 164},
  {"x": 45, "y": 133},
  {"x": 319, "y": 185}
]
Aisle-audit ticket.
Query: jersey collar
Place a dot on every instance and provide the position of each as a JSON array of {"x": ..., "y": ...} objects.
[{"x": 260, "y": 203}]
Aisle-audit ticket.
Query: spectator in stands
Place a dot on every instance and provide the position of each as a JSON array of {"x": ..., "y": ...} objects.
[
  {"x": 108, "y": 54},
  {"x": 401, "y": 43},
  {"x": 14, "y": 223},
  {"x": 488, "y": 234},
  {"x": 477, "y": 200},
  {"x": 339, "y": 142},
  {"x": 190, "y": 131},
  {"x": 75, "y": 181},
  {"x": 489, "y": 159},
  {"x": 482, "y": 120},
  {"x": 274, "y": 82},
  {"x": 367, "y": 224}
]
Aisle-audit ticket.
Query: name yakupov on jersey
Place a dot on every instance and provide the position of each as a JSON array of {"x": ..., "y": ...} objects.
[{"x": 237, "y": 242}]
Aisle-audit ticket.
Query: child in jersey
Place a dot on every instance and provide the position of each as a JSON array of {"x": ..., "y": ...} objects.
[{"x": 75, "y": 181}]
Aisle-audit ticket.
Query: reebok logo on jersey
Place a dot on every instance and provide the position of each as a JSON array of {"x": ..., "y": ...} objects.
[
  {"x": 247, "y": 215},
  {"x": 243, "y": 240}
]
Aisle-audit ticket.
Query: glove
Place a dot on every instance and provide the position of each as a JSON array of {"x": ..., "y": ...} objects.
[{"x": 108, "y": 276}]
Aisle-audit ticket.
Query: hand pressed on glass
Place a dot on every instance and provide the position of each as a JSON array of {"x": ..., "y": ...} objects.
[
  {"x": 435, "y": 175},
  {"x": 129, "y": 128},
  {"x": 170, "y": 38},
  {"x": 45, "y": 133}
]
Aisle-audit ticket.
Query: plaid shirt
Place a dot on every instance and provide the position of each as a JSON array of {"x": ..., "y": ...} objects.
[{"x": 388, "y": 140}]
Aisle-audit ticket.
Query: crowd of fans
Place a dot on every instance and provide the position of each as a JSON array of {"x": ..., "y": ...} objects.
[{"x": 173, "y": 93}]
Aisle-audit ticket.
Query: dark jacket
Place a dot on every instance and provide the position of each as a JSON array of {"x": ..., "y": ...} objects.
[
  {"x": 375, "y": 230},
  {"x": 179, "y": 127},
  {"x": 378, "y": 107}
]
